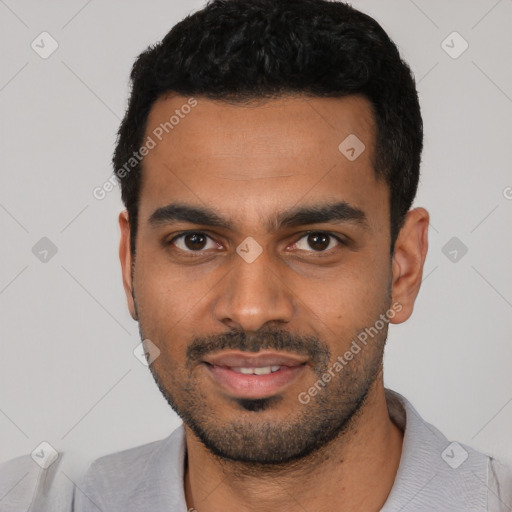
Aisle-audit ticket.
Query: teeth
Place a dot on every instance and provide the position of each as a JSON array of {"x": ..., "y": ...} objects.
[{"x": 263, "y": 370}]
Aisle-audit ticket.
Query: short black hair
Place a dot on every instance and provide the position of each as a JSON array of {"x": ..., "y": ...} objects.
[{"x": 243, "y": 50}]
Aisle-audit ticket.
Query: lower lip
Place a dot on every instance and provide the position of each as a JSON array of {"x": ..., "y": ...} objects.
[{"x": 254, "y": 386}]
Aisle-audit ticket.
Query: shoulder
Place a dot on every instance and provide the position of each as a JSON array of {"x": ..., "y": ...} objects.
[
  {"x": 18, "y": 481},
  {"x": 26, "y": 485},
  {"x": 116, "y": 465},
  {"x": 106, "y": 475},
  {"x": 123, "y": 480},
  {"x": 500, "y": 486},
  {"x": 438, "y": 474}
]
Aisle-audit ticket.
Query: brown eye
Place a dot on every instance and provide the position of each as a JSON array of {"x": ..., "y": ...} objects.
[
  {"x": 194, "y": 241},
  {"x": 318, "y": 241}
]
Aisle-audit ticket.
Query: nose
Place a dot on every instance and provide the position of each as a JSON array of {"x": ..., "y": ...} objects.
[{"x": 253, "y": 294}]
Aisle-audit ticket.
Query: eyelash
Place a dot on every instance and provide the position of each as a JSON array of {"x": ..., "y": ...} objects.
[{"x": 305, "y": 234}]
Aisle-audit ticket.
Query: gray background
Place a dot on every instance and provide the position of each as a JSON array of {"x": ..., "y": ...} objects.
[{"x": 68, "y": 375}]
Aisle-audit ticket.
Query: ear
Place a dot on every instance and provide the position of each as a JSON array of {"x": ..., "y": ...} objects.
[
  {"x": 125, "y": 256},
  {"x": 407, "y": 266}
]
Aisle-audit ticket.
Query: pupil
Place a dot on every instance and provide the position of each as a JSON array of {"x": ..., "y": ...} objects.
[
  {"x": 195, "y": 241},
  {"x": 313, "y": 239}
]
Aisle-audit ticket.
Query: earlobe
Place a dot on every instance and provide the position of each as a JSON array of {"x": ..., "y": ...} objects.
[
  {"x": 125, "y": 257},
  {"x": 407, "y": 266}
]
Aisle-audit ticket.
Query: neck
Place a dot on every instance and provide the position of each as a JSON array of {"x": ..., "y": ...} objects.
[{"x": 355, "y": 471}]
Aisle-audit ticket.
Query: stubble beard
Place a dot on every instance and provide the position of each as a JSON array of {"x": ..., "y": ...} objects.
[{"x": 259, "y": 442}]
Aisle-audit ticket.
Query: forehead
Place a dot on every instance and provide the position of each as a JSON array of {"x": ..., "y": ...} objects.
[{"x": 243, "y": 158}]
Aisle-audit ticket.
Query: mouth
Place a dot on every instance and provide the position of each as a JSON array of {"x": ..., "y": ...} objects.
[{"x": 259, "y": 376}]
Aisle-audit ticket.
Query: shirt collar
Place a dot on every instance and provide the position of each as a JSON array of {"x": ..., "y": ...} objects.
[{"x": 433, "y": 474}]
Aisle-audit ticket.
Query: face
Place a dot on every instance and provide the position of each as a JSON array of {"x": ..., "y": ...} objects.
[{"x": 262, "y": 255}]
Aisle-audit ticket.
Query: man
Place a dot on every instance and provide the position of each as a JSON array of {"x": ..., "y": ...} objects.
[{"x": 268, "y": 162}]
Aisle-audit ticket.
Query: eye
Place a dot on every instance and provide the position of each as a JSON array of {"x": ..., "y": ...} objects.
[
  {"x": 319, "y": 241},
  {"x": 192, "y": 241}
]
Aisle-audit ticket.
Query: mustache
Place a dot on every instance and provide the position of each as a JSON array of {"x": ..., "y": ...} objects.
[{"x": 269, "y": 339}]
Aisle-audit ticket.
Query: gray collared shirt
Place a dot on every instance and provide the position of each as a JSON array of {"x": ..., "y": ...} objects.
[{"x": 433, "y": 475}]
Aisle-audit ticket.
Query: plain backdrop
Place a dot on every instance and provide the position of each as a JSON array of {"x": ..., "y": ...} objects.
[{"x": 68, "y": 375}]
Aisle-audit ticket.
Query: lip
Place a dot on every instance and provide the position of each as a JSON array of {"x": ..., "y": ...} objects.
[
  {"x": 239, "y": 385},
  {"x": 236, "y": 359}
]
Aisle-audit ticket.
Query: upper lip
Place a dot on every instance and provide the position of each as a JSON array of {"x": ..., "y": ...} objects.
[{"x": 263, "y": 359}]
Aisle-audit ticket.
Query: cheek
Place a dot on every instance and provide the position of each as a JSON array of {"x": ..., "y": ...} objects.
[
  {"x": 349, "y": 300},
  {"x": 172, "y": 305},
  {"x": 167, "y": 292}
]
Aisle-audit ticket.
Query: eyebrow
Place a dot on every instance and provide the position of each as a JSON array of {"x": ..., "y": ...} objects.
[{"x": 335, "y": 213}]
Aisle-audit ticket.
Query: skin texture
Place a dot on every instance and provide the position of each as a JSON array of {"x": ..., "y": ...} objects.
[{"x": 340, "y": 451}]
